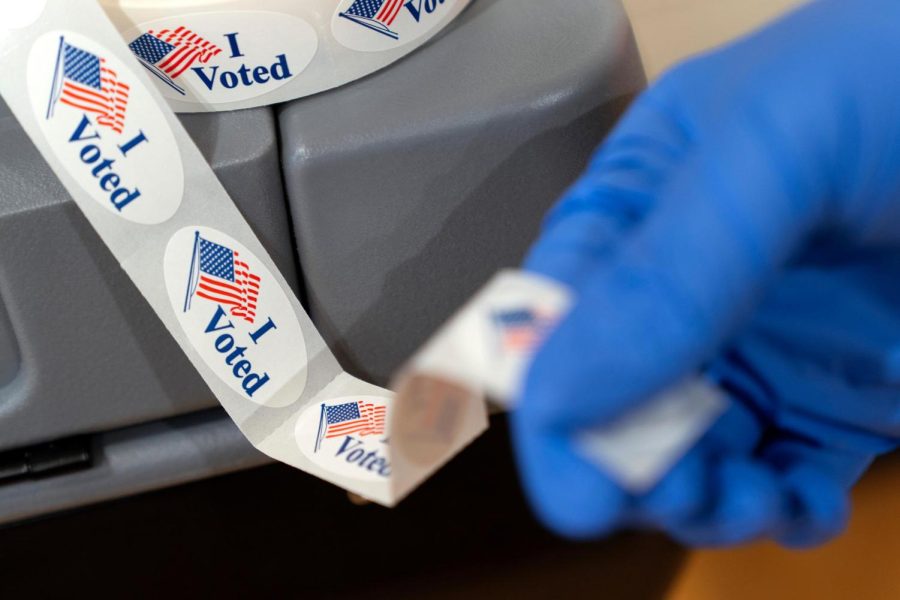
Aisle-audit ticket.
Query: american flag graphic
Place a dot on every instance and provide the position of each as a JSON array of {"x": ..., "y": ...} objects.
[
  {"x": 522, "y": 329},
  {"x": 377, "y": 15},
  {"x": 170, "y": 52},
  {"x": 218, "y": 274},
  {"x": 83, "y": 81},
  {"x": 351, "y": 418}
]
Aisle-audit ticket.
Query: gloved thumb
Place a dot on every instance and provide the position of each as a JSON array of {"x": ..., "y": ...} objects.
[{"x": 728, "y": 217}]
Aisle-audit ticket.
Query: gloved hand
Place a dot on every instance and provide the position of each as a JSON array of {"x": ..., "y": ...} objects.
[{"x": 743, "y": 220}]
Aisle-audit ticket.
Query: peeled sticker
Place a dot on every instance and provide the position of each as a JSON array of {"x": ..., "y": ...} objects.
[
  {"x": 213, "y": 55},
  {"x": 91, "y": 109},
  {"x": 484, "y": 351}
]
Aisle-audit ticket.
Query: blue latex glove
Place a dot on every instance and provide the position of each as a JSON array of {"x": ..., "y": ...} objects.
[{"x": 743, "y": 219}]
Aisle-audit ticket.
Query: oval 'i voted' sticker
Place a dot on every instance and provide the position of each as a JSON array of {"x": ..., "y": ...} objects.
[
  {"x": 104, "y": 127},
  {"x": 221, "y": 57},
  {"x": 236, "y": 316},
  {"x": 348, "y": 436}
]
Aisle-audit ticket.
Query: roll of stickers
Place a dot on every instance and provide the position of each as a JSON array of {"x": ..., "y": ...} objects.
[
  {"x": 211, "y": 55},
  {"x": 103, "y": 127},
  {"x": 93, "y": 111}
]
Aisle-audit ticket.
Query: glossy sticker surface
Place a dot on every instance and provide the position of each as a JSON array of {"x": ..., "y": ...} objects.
[
  {"x": 222, "y": 57},
  {"x": 104, "y": 127},
  {"x": 377, "y": 25},
  {"x": 348, "y": 436},
  {"x": 236, "y": 316}
]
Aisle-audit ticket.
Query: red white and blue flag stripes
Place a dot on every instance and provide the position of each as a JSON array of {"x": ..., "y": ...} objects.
[
  {"x": 170, "y": 52},
  {"x": 83, "y": 81},
  {"x": 218, "y": 274},
  {"x": 351, "y": 418},
  {"x": 377, "y": 15},
  {"x": 522, "y": 329}
]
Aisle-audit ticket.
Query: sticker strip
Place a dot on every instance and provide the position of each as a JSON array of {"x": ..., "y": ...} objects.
[{"x": 90, "y": 109}]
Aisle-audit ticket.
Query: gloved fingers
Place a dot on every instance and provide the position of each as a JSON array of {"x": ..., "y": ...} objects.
[
  {"x": 747, "y": 499},
  {"x": 681, "y": 494},
  {"x": 819, "y": 507},
  {"x": 817, "y": 479},
  {"x": 738, "y": 430},
  {"x": 576, "y": 499},
  {"x": 718, "y": 494},
  {"x": 569, "y": 495},
  {"x": 745, "y": 503},
  {"x": 845, "y": 465},
  {"x": 613, "y": 196},
  {"x": 727, "y": 219},
  {"x": 686, "y": 490},
  {"x": 793, "y": 491}
]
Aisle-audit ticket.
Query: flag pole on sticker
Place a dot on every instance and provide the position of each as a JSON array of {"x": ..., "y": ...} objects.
[
  {"x": 377, "y": 15},
  {"x": 82, "y": 80},
  {"x": 220, "y": 275},
  {"x": 54, "y": 89}
]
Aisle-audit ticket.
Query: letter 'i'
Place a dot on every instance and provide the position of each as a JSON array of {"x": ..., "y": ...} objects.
[
  {"x": 270, "y": 324},
  {"x": 232, "y": 43},
  {"x": 127, "y": 146}
]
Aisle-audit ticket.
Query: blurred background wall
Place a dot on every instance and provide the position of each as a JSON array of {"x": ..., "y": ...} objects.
[{"x": 668, "y": 30}]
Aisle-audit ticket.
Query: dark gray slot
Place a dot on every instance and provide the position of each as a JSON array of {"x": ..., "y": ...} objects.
[
  {"x": 137, "y": 459},
  {"x": 46, "y": 460}
]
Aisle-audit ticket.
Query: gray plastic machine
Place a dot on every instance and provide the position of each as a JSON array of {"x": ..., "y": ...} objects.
[{"x": 402, "y": 193}]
